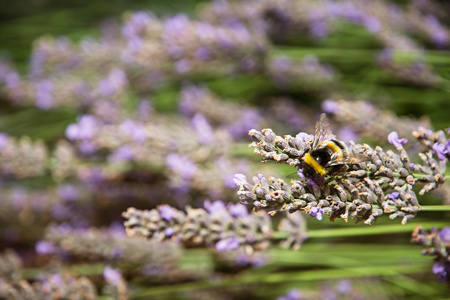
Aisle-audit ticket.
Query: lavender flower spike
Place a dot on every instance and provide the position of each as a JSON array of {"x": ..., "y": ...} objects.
[{"x": 218, "y": 226}]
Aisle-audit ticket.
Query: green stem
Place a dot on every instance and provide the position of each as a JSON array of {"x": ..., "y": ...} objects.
[{"x": 364, "y": 231}]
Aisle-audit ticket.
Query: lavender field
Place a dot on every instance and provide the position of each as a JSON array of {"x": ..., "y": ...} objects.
[{"x": 227, "y": 149}]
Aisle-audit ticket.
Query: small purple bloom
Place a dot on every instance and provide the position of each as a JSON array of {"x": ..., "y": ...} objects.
[
  {"x": 214, "y": 207},
  {"x": 394, "y": 140},
  {"x": 167, "y": 212},
  {"x": 44, "y": 94},
  {"x": 344, "y": 286},
  {"x": 168, "y": 231},
  {"x": 68, "y": 192},
  {"x": 440, "y": 150},
  {"x": 237, "y": 210},
  {"x": 43, "y": 247},
  {"x": 85, "y": 129},
  {"x": 113, "y": 276},
  {"x": 330, "y": 106},
  {"x": 304, "y": 137},
  {"x": 203, "y": 53},
  {"x": 393, "y": 196},
  {"x": 124, "y": 153},
  {"x": 227, "y": 244},
  {"x": 113, "y": 83},
  {"x": 445, "y": 234},
  {"x": 239, "y": 179},
  {"x": 203, "y": 129},
  {"x": 347, "y": 134},
  {"x": 293, "y": 294},
  {"x": 182, "y": 165},
  {"x": 4, "y": 140},
  {"x": 316, "y": 212},
  {"x": 182, "y": 66}
]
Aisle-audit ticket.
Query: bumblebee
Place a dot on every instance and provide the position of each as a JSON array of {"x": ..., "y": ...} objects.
[{"x": 328, "y": 156}]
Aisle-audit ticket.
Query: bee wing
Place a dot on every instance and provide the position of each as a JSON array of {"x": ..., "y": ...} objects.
[
  {"x": 352, "y": 159},
  {"x": 323, "y": 131}
]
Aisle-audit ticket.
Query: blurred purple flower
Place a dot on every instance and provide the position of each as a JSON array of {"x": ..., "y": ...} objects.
[
  {"x": 182, "y": 66},
  {"x": 167, "y": 212},
  {"x": 4, "y": 140},
  {"x": 203, "y": 53},
  {"x": 247, "y": 120},
  {"x": 203, "y": 129},
  {"x": 372, "y": 23},
  {"x": 292, "y": 294},
  {"x": 144, "y": 110},
  {"x": 43, "y": 247},
  {"x": 133, "y": 27},
  {"x": 445, "y": 234},
  {"x": 85, "y": 129},
  {"x": 227, "y": 244},
  {"x": 60, "y": 211},
  {"x": 237, "y": 210},
  {"x": 182, "y": 165},
  {"x": 438, "y": 34},
  {"x": 344, "y": 286},
  {"x": 68, "y": 192},
  {"x": 115, "y": 81},
  {"x": 214, "y": 207},
  {"x": 347, "y": 134},
  {"x": 112, "y": 276},
  {"x": 316, "y": 212},
  {"x": 44, "y": 94},
  {"x": 394, "y": 140},
  {"x": 442, "y": 270},
  {"x": 123, "y": 153},
  {"x": 88, "y": 147},
  {"x": 136, "y": 130}
]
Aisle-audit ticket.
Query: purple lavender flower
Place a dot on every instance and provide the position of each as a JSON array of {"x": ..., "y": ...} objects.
[
  {"x": 43, "y": 247},
  {"x": 203, "y": 129},
  {"x": 330, "y": 106},
  {"x": 113, "y": 83},
  {"x": 239, "y": 179},
  {"x": 182, "y": 66},
  {"x": 292, "y": 294},
  {"x": 316, "y": 212},
  {"x": 44, "y": 94},
  {"x": 85, "y": 129},
  {"x": 237, "y": 210},
  {"x": 203, "y": 53},
  {"x": 440, "y": 150},
  {"x": 393, "y": 196},
  {"x": 304, "y": 137},
  {"x": 167, "y": 212},
  {"x": 438, "y": 34},
  {"x": 182, "y": 165},
  {"x": 347, "y": 134},
  {"x": 227, "y": 244},
  {"x": 394, "y": 140},
  {"x": 372, "y": 24},
  {"x": 4, "y": 140},
  {"x": 214, "y": 207},
  {"x": 112, "y": 276},
  {"x": 68, "y": 192},
  {"x": 445, "y": 234},
  {"x": 344, "y": 286},
  {"x": 137, "y": 131},
  {"x": 123, "y": 153}
]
